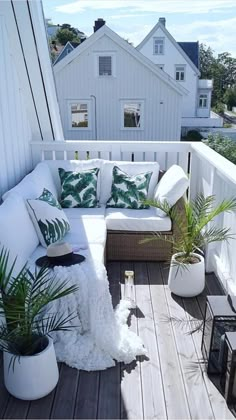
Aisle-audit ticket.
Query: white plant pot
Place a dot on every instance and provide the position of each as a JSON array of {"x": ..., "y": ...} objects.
[
  {"x": 33, "y": 377},
  {"x": 188, "y": 281}
]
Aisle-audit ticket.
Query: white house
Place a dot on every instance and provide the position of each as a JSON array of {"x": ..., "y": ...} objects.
[
  {"x": 181, "y": 61},
  {"x": 107, "y": 90}
]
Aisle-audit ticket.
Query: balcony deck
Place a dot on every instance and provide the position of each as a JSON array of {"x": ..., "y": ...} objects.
[{"x": 168, "y": 384}]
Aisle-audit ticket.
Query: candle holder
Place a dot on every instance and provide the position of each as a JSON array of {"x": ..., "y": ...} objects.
[
  {"x": 220, "y": 317},
  {"x": 228, "y": 376},
  {"x": 129, "y": 293}
]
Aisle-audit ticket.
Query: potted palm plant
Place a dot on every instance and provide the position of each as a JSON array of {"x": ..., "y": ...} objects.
[
  {"x": 195, "y": 231},
  {"x": 30, "y": 366}
]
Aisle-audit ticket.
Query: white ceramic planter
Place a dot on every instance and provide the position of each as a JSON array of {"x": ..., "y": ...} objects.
[
  {"x": 189, "y": 281},
  {"x": 33, "y": 377}
]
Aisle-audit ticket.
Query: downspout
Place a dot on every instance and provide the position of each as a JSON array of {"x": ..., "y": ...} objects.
[{"x": 95, "y": 115}]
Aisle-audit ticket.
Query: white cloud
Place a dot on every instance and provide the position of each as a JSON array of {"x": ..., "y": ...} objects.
[{"x": 154, "y": 6}]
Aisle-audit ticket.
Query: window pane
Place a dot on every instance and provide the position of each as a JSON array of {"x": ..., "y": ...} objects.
[
  {"x": 132, "y": 115},
  {"x": 158, "y": 46},
  {"x": 79, "y": 115},
  {"x": 105, "y": 66}
]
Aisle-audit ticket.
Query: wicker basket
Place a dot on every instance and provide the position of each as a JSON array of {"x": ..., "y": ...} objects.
[{"x": 125, "y": 245}]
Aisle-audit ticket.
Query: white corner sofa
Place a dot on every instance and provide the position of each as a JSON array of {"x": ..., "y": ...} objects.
[{"x": 107, "y": 233}]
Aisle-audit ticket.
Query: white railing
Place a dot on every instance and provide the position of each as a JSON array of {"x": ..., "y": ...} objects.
[
  {"x": 209, "y": 173},
  {"x": 166, "y": 153}
]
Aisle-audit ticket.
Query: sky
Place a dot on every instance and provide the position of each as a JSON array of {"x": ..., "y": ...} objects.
[{"x": 212, "y": 22}]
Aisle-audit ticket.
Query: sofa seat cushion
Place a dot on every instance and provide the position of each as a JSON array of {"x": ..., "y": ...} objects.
[
  {"x": 94, "y": 251},
  {"x": 131, "y": 168},
  {"x": 87, "y": 231},
  {"x": 85, "y": 213},
  {"x": 136, "y": 220}
]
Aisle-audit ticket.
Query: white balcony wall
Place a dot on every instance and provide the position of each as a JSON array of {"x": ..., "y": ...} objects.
[
  {"x": 211, "y": 174},
  {"x": 15, "y": 132}
]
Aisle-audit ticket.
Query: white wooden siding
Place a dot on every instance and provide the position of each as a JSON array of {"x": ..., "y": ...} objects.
[
  {"x": 15, "y": 133},
  {"x": 133, "y": 81},
  {"x": 170, "y": 59}
]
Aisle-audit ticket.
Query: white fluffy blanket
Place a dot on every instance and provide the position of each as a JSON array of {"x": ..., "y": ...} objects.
[{"x": 102, "y": 335}]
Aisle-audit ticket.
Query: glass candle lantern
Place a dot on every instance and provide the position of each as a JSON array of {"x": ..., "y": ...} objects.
[
  {"x": 129, "y": 293},
  {"x": 228, "y": 376},
  {"x": 220, "y": 317}
]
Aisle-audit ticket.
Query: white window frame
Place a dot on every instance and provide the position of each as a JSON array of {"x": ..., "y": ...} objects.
[
  {"x": 79, "y": 101},
  {"x": 124, "y": 102},
  {"x": 159, "y": 38},
  {"x": 111, "y": 54},
  {"x": 202, "y": 100},
  {"x": 182, "y": 66}
]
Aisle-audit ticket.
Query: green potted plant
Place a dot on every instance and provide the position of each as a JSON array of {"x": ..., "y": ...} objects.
[
  {"x": 30, "y": 366},
  {"x": 195, "y": 231}
]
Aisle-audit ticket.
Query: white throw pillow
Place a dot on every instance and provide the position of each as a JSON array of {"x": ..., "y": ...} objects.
[
  {"x": 17, "y": 232},
  {"x": 171, "y": 187},
  {"x": 50, "y": 221}
]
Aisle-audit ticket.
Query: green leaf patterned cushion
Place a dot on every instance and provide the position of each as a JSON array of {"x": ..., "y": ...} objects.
[
  {"x": 79, "y": 189},
  {"x": 128, "y": 192},
  {"x": 50, "y": 221}
]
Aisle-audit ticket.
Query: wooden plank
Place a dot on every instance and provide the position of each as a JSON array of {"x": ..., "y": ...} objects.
[
  {"x": 213, "y": 286},
  {"x": 109, "y": 391},
  {"x": 63, "y": 406},
  {"x": 87, "y": 396},
  {"x": 196, "y": 391},
  {"x": 109, "y": 394},
  {"x": 41, "y": 409},
  {"x": 218, "y": 404},
  {"x": 151, "y": 374},
  {"x": 175, "y": 396},
  {"x": 131, "y": 387},
  {"x": 16, "y": 409}
]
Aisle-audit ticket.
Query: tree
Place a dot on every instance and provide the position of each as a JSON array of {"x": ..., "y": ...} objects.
[
  {"x": 67, "y": 33},
  {"x": 230, "y": 97},
  {"x": 222, "y": 69}
]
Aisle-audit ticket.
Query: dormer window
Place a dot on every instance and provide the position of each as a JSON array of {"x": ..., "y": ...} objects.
[
  {"x": 105, "y": 65},
  {"x": 158, "y": 46}
]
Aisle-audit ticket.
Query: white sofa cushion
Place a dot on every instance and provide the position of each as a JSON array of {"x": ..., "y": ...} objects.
[
  {"x": 33, "y": 184},
  {"x": 50, "y": 221},
  {"x": 136, "y": 220},
  {"x": 75, "y": 166},
  {"x": 171, "y": 187},
  {"x": 131, "y": 168},
  {"x": 17, "y": 232},
  {"x": 78, "y": 213},
  {"x": 87, "y": 231}
]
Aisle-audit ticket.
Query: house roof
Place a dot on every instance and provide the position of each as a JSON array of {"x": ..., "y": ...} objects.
[
  {"x": 70, "y": 44},
  {"x": 192, "y": 50},
  {"x": 105, "y": 30},
  {"x": 182, "y": 49}
]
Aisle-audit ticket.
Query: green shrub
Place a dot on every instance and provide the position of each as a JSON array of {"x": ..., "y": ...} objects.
[
  {"x": 219, "y": 108},
  {"x": 223, "y": 145}
]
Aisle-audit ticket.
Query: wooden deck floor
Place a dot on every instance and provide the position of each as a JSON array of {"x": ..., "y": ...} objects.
[{"x": 168, "y": 384}]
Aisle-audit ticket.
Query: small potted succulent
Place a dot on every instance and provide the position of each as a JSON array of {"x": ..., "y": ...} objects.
[
  {"x": 195, "y": 231},
  {"x": 30, "y": 366}
]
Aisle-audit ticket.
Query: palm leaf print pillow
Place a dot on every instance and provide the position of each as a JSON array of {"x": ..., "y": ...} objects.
[
  {"x": 79, "y": 189},
  {"x": 50, "y": 221},
  {"x": 128, "y": 192}
]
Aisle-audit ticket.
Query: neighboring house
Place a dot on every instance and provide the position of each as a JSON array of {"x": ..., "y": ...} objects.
[
  {"x": 107, "y": 90},
  {"x": 70, "y": 46},
  {"x": 181, "y": 61}
]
